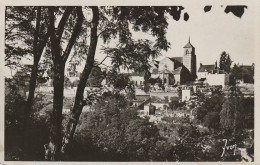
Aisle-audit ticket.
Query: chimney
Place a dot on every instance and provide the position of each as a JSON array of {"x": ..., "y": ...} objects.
[
  {"x": 200, "y": 64},
  {"x": 216, "y": 64}
]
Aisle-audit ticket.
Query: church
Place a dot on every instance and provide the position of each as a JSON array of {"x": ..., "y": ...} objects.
[{"x": 176, "y": 70}]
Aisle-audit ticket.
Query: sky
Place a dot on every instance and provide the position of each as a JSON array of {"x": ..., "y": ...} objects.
[{"x": 210, "y": 33}]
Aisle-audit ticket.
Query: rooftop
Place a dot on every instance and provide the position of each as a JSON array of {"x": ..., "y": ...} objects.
[
  {"x": 174, "y": 59},
  {"x": 188, "y": 45},
  {"x": 206, "y": 68}
]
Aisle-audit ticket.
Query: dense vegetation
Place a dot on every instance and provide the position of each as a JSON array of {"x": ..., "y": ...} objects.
[{"x": 113, "y": 131}]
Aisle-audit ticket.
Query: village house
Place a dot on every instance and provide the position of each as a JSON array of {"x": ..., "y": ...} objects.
[{"x": 212, "y": 75}]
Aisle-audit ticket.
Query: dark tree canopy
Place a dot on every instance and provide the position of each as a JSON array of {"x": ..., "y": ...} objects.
[{"x": 225, "y": 62}]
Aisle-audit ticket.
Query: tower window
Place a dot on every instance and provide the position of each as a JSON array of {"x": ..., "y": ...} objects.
[{"x": 187, "y": 51}]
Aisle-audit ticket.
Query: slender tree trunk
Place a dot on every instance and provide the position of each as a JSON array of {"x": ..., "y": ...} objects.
[
  {"x": 37, "y": 52},
  {"x": 32, "y": 86},
  {"x": 56, "y": 116},
  {"x": 59, "y": 60},
  {"x": 79, "y": 103},
  {"x": 38, "y": 48},
  {"x": 36, "y": 58}
]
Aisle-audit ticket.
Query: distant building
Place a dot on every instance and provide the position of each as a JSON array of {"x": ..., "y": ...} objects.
[
  {"x": 137, "y": 78},
  {"x": 172, "y": 71},
  {"x": 212, "y": 75},
  {"x": 186, "y": 95},
  {"x": 149, "y": 109},
  {"x": 176, "y": 70}
]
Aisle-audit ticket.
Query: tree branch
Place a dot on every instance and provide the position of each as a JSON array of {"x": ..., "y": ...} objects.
[
  {"x": 103, "y": 60},
  {"x": 78, "y": 105},
  {"x": 36, "y": 35},
  {"x": 52, "y": 29},
  {"x": 63, "y": 22},
  {"x": 75, "y": 34}
]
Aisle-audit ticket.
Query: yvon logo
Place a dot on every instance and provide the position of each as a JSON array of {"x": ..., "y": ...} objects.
[{"x": 228, "y": 148}]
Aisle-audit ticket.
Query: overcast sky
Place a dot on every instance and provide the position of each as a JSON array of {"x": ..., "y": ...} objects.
[{"x": 211, "y": 33}]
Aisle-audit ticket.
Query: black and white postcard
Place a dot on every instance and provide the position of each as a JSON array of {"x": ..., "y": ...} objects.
[{"x": 129, "y": 82}]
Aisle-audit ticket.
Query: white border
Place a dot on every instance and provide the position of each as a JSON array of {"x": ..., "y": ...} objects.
[{"x": 253, "y": 4}]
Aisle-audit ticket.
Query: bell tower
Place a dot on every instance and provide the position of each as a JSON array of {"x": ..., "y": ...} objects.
[{"x": 189, "y": 59}]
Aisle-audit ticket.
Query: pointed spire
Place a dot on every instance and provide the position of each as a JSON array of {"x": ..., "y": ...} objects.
[{"x": 188, "y": 45}]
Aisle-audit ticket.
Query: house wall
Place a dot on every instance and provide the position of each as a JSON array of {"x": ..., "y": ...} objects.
[
  {"x": 166, "y": 61},
  {"x": 186, "y": 93},
  {"x": 177, "y": 78},
  {"x": 202, "y": 75},
  {"x": 154, "y": 75},
  {"x": 217, "y": 79},
  {"x": 162, "y": 95},
  {"x": 159, "y": 105},
  {"x": 146, "y": 109},
  {"x": 138, "y": 80}
]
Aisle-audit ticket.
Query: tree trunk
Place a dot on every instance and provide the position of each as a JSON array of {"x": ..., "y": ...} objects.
[
  {"x": 56, "y": 116},
  {"x": 78, "y": 105},
  {"x": 35, "y": 62},
  {"x": 53, "y": 149},
  {"x": 32, "y": 86},
  {"x": 38, "y": 48}
]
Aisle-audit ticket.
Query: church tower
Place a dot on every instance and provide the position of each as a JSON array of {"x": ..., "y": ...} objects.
[{"x": 189, "y": 59}]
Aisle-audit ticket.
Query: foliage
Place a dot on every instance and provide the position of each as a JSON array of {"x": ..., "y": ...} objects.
[
  {"x": 146, "y": 87},
  {"x": 242, "y": 73},
  {"x": 67, "y": 82},
  {"x": 237, "y": 10},
  {"x": 230, "y": 115},
  {"x": 22, "y": 143},
  {"x": 119, "y": 81},
  {"x": 225, "y": 62},
  {"x": 209, "y": 104},
  {"x": 175, "y": 104},
  {"x": 95, "y": 78},
  {"x": 153, "y": 81},
  {"x": 248, "y": 113},
  {"x": 117, "y": 131},
  {"x": 211, "y": 120},
  {"x": 133, "y": 55},
  {"x": 188, "y": 144},
  {"x": 19, "y": 26}
]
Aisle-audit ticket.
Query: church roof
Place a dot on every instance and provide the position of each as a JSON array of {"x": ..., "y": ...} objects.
[
  {"x": 188, "y": 45},
  {"x": 206, "y": 68},
  {"x": 177, "y": 71},
  {"x": 180, "y": 59}
]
